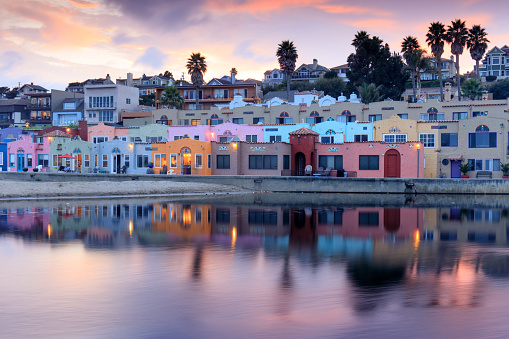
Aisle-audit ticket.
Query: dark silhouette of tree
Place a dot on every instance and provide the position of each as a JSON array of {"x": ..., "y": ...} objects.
[
  {"x": 436, "y": 38},
  {"x": 172, "y": 98},
  {"x": 287, "y": 57},
  {"x": 457, "y": 35},
  {"x": 477, "y": 43},
  {"x": 197, "y": 67}
]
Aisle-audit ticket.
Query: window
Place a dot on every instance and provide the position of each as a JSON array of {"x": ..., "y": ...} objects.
[
  {"x": 360, "y": 137},
  {"x": 327, "y": 139},
  {"x": 449, "y": 139},
  {"x": 160, "y": 160},
  {"x": 274, "y": 138},
  {"x": 286, "y": 162},
  {"x": 106, "y": 116},
  {"x": 195, "y": 122},
  {"x": 128, "y": 101},
  {"x": 314, "y": 120},
  {"x": 492, "y": 164},
  {"x": 495, "y": 60},
  {"x": 38, "y": 140},
  {"x": 368, "y": 219},
  {"x": 482, "y": 140},
  {"x": 432, "y": 116},
  {"x": 198, "y": 160},
  {"x": 395, "y": 137},
  {"x": 1, "y": 158},
  {"x": 330, "y": 217},
  {"x": 368, "y": 162},
  {"x": 105, "y": 160},
  {"x": 173, "y": 160},
  {"x": 269, "y": 161},
  {"x": 142, "y": 160},
  {"x": 153, "y": 139},
  {"x": 126, "y": 160},
  {"x": 178, "y": 137},
  {"x": 258, "y": 121},
  {"x": 282, "y": 121},
  {"x": 375, "y": 117},
  {"x": 334, "y": 162},
  {"x": 209, "y": 160},
  {"x": 252, "y": 138},
  {"x": 183, "y": 122},
  {"x": 223, "y": 162},
  {"x": 261, "y": 217},
  {"x": 223, "y": 215},
  {"x": 225, "y": 139},
  {"x": 238, "y": 121},
  {"x": 43, "y": 160},
  {"x": 459, "y": 115},
  {"x": 427, "y": 139},
  {"x": 87, "y": 160},
  {"x": 213, "y": 122},
  {"x": 98, "y": 140},
  {"x": 475, "y": 164},
  {"x": 100, "y": 102},
  {"x": 12, "y": 160},
  {"x": 346, "y": 118},
  {"x": 29, "y": 160}
]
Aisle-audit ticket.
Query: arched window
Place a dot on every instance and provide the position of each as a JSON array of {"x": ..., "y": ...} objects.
[
  {"x": 284, "y": 115},
  {"x": 346, "y": 112},
  {"x": 314, "y": 114},
  {"x": 164, "y": 117},
  {"x": 185, "y": 150},
  {"x": 186, "y": 136},
  {"x": 482, "y": 128},
  {"x": 432, "y": 110},
  {"x": 331, "y": 119},
  {"x": 227, "y": 132},
  {"x": 214, "y": 116},
  {"x": 330, "y": 132}
]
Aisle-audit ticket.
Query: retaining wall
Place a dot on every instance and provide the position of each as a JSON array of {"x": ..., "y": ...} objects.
[{"x": 295, "y": 184}]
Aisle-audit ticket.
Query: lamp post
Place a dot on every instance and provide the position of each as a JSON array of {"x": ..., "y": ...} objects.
[{"x": 418, "y": 158}]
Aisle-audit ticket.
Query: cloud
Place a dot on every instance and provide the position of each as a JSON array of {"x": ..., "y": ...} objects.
[
  {"x": 152, "y": 58},
  {"x": 83, "y": 3},
  {"x": 9, "y": 60},
  {"x": 125, "y": 39}
]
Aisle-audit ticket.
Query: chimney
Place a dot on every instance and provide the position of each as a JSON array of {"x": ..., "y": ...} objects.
[
  {"x": 315, "y": 64},
  {"x": 32, "y": 83},
  {"x": 447, "y": 92},
  {"x": 129, "y": 81},
  {"x": 108, "y": 79},
  {"x": 233, "y": 77},
  {"x": 83, "y": 130}
]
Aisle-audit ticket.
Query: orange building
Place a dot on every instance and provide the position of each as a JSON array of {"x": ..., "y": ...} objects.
[
  {"x": 184, "y": 156},
  {"x": 181, "y": 221}
]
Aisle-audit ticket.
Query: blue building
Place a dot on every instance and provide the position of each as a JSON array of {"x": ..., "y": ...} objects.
[
  {"x": 273, "y": 133},
  {"x": 3, "y": 157}
]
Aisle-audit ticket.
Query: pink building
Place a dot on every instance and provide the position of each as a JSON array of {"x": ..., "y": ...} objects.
[
  {"x": 24, "y": 153},
  {"x": 101, "y": 133},
  {"x": 198, "y": 132},
  {"x": 220, "y": 133}
]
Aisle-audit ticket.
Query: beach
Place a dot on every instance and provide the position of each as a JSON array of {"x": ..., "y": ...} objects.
[{"x": 18, "y": 189}]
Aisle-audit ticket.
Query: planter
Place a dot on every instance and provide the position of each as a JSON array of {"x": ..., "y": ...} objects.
[{"x": 465, "y": 176}]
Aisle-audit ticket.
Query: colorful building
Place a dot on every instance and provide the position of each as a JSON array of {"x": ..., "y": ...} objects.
[
  {"x": 183, "y": 156},
  {"x": 25, "y": 154}
]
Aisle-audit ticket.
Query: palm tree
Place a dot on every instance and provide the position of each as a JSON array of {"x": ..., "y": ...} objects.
[
  {"x": 457, "y": 35},
  {"x": 408, "y": 48},
  {"x": 359, "y": 38},
  {"x": 472, "y": 89},
  {"x": 287, "y": 56},
  {"x": 369, "y": 93},
  {"x": 477, "y": 43},
  {"x": 172, "y": 98},
  {"x": 197, "y": 67},
  {"x": 436, "y": 39}
]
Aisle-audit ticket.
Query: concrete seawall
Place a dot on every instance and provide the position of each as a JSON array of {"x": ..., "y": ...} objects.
[{"x": 294, "y": 184}]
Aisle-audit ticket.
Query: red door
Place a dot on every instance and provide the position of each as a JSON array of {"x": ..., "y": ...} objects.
[
  {"x": 392, "y": 164},
  {"x": 391, "y": 219}
]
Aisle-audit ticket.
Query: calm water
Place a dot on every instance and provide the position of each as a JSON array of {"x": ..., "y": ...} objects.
[{"x": 163, "y": 269}]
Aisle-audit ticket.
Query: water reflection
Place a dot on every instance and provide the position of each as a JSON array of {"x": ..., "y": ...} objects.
[{"x": 282, "y": 261}]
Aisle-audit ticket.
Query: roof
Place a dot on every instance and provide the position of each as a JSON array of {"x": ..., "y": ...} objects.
[
  {"x": 344, "y": 66},
  {"x": 36, "y": 87},
  {"x": 80, "y": 107},
  {"x": 304, "y": 131},
  {"x": 9, "y": 102},
  {"x": 310, "y": 66},
  {"x": 279, "y": 94},
  {"x": 57, "y": 133}
]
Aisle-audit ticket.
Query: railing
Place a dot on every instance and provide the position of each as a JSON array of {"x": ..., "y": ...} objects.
[{"x": 309, "y": 76}]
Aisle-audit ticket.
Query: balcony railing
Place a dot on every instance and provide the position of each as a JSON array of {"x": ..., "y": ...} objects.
[{"x": 305, "y": 76}]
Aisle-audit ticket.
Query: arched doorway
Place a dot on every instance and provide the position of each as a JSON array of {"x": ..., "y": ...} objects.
[
  {"x": 392, "y": 164},
  {"x": 300, "y": 163},
  {"x": 185, "y": 160}
]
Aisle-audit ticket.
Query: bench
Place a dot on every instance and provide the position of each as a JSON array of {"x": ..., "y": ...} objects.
[{"x": 483, "y": 174}]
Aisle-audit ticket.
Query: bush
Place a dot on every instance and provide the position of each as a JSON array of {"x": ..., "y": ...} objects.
[{"x": 491, "y": 78}]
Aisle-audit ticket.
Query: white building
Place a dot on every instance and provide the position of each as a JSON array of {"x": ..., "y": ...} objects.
[{"x": 105, "y": 102}]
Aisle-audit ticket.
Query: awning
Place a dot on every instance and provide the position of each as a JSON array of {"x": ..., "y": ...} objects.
[{"x": 455, "y": 157}]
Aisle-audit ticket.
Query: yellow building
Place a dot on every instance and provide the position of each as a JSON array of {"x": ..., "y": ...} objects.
[{"x": 184, "y": 156}]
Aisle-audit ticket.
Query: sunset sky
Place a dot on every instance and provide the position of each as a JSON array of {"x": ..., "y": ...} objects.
[{"x": 54, "y": 42}]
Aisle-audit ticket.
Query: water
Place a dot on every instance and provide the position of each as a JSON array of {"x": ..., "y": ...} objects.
[{"x": 245, "y": 266}]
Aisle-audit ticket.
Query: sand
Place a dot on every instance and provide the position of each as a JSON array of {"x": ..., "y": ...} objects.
[{"x": 14, "y": 189}]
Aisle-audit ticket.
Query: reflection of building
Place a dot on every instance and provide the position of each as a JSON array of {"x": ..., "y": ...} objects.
[{"x": 182, "y": 221}]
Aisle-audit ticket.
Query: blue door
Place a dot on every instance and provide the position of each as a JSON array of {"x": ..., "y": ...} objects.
[
  {"x": 455, "y": 169},
  {"x": 21, "y": 162}
]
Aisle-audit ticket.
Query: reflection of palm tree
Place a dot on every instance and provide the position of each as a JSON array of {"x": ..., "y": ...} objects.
[
  {"x": 286, "y": 277},
  {"x": 197, "y": 262}
]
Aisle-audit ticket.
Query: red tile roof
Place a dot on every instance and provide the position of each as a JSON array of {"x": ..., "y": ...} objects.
[
  {"x": 304, "y": 131},
  {"x": 57, "y": 133}
]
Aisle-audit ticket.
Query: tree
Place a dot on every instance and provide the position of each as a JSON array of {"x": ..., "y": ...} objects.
[
  {"x": 172, "y": 98},
  {"x": 3, "y": 90},
  {"x": 435, "y": 38},
  {"x": 287, "y": 57},
  {"x": 233, "y": 71},
  {"x": 409, "y": 46},
  {"x": 166, "y": 74},
  {"x": 330, "y": 75},
  {"x": 373, "y": 62},
  {"x": 500, "y": 90},
  {"x": 12, "y": 93},
  {"x": 477, "y": 43},
  {"x": 197, "y": 67},
  {"x": 472, "y": 89},
  {"x": 369, "y": 93},
  {"x": 457, "y": 35},
  {"x": 148, "y": 100},
  {"x": 333, "y": 87}
]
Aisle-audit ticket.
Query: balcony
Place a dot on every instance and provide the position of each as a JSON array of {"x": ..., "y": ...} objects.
[{"x": 305, "y": 76}]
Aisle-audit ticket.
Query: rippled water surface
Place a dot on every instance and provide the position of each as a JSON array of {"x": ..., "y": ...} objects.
[{"x": 158, "y": 269}]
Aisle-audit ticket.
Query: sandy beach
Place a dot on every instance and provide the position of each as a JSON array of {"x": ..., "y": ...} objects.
[{"x": 15, "y": 189}]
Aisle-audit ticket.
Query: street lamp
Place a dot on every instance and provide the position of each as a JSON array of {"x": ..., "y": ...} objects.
[{"x": 418, "y": 158}]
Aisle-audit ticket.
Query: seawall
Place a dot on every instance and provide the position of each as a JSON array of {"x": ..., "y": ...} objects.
[{"x": 294, "y": 184}]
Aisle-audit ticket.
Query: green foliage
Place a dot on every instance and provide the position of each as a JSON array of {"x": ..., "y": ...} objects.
[
  {"x": 330, "y": 75},
  {"x": 491, "y": 78},
  {"x": 148, "y": 100},
  {"x": 373, "y": 62},
  {"x": 472, "y": 89},
  {"x": 172, "y": 98},
  {"x": 505, "y": 169},
  {"x": 12, "y": 93},
  {"x": 464, "y": 168},
  {"x": 500, "y": 90},
  {"x": 73, "y": 126},
  {"x": 166, "y": 74},
  {"x": 369, "y": 93}
]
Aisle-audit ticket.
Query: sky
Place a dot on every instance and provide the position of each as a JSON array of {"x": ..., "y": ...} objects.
[{"x": 54, "y": 42}]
